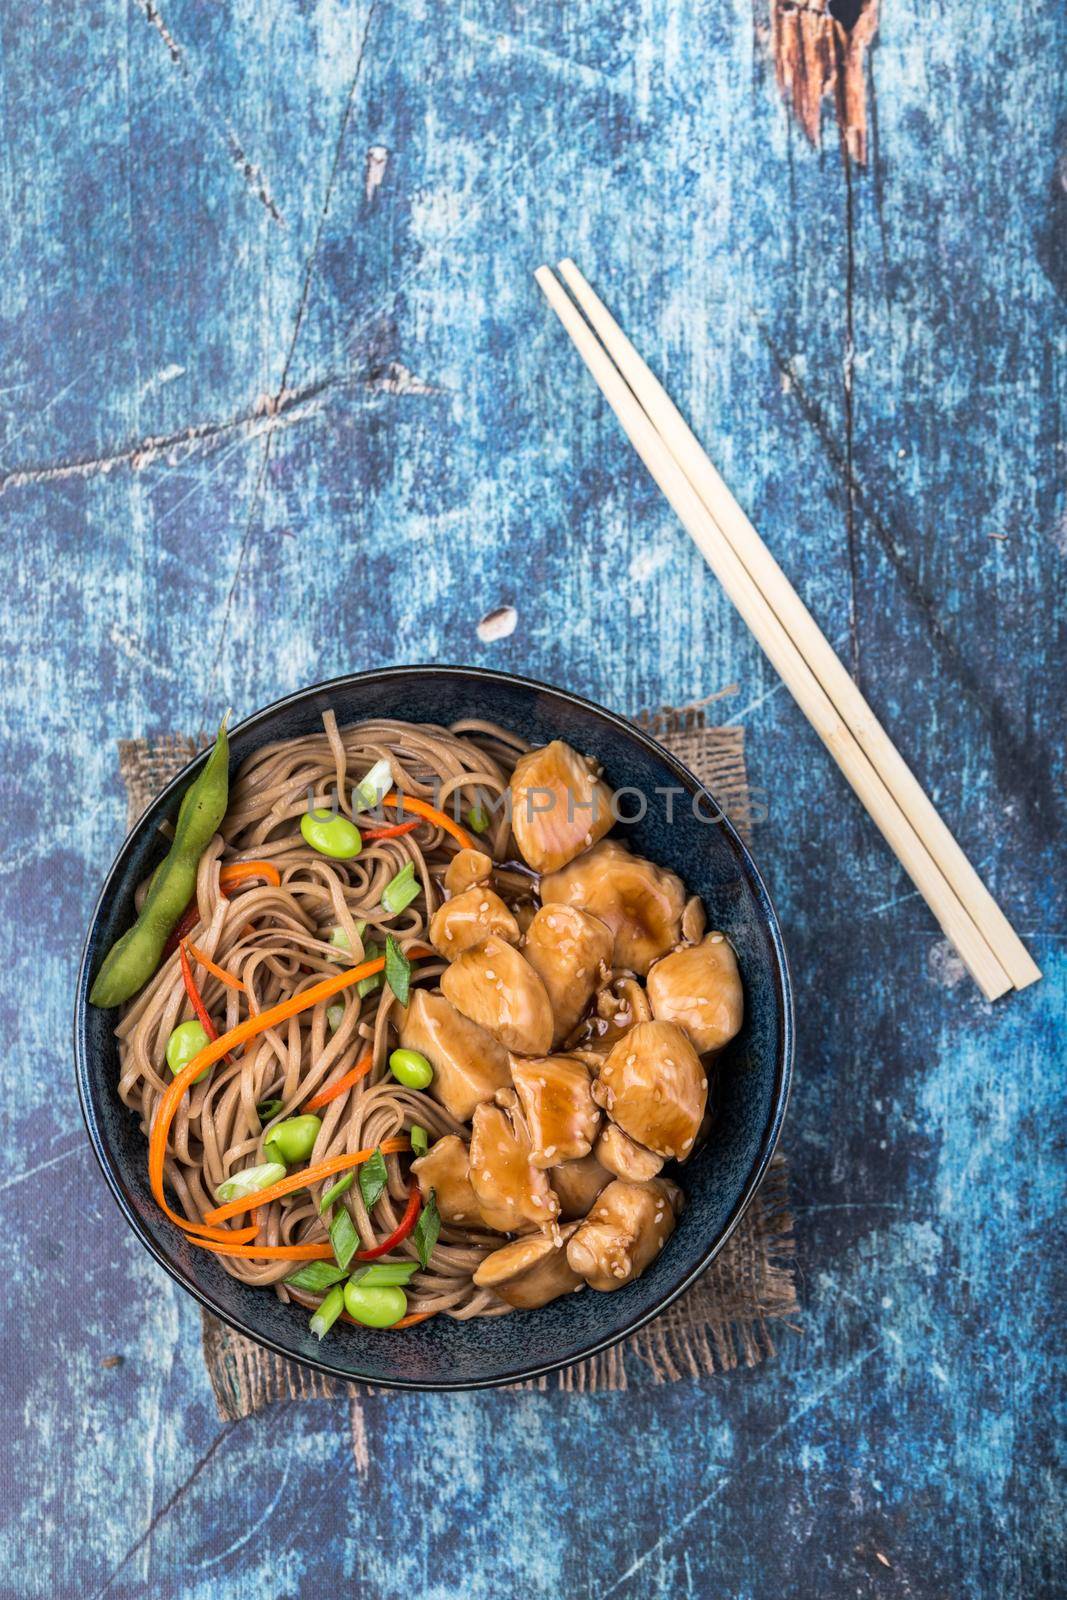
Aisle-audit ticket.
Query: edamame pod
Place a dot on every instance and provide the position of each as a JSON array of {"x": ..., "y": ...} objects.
[{"x": 133, "y": 959}]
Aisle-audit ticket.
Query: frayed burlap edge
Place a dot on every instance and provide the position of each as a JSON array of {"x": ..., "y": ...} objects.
[{"x": 724, "y": 1321}]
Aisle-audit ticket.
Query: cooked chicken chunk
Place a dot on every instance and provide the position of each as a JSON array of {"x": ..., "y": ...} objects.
[
  {"x": 653, "y": 1086},
  {"x": 444, "y": 1168},
  {"x": 558, "y": 808},
  {"x": 531, "y": 1271},
  {"x": 468, "y": 919},
  {"x": 466, "y": 868},
  {"x": 621, "y": 1155},
  {"x": 566, "y": 948},
  {"x": 469, "y": 1064},
  {"x": 512, "y": 1195},
  {"x": 577, "y": 1184},
  {"x": 699, "y": 988},
  {"x": 500, "y": 991},
  {"x": 626, "y": 1229},
  {"x": 563, "y": 1119},
  {"x": 620, "y": 1006},
  {"x": 641, "y": 903}
]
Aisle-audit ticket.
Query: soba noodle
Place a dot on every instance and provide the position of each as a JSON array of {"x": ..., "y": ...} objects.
[{"x": 277, "y": 939}]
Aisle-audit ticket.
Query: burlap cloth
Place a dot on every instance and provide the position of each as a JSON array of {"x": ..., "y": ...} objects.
[{"x": 724, "y": 1321}]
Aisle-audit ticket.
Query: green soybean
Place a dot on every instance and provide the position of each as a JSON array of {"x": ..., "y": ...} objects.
[
  {"x": 411, "y": 1068},
  {"x": 133, "y": 959},
  {"x": 331, "y": 834},
  {"x": 293, "y": 1140},
  {"x": 187, "y": 1041},
  {"x": 375, "y": 1308}
]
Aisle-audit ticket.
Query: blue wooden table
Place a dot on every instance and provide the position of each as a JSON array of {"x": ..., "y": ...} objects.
[{"x": 280, "y": 400}]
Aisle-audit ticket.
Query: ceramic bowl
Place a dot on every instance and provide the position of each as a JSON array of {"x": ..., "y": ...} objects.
[{"x": 752, "y": 1081}]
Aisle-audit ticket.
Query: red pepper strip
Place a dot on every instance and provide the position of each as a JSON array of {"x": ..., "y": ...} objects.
[
  {"x": 388, "y": 833},
  {"x": 194, "y": 997},
  {"x": 407, "y": 1222},
  {"x": 185, "y": 925}
]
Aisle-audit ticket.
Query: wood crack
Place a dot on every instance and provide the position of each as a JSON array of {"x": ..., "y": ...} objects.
[{"x": 819, "y": 49}]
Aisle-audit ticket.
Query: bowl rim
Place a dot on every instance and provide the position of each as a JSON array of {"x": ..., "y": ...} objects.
[{"x": 783, "y": 1062}]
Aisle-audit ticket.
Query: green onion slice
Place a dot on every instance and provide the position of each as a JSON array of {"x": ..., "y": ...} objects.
[
  {"x": 478, "y": 819},
  {"x": 420, "y": 1139},
  {"x": 401, "y": 890},
  {"x": 373, "y": 1177},
  {"x": 336, "y": 1192},
  {"x": 268, "y": 1109},
  {"x": 369, "y": 790},
  {"x": 427, "y": 1229},
  {"x": 385, "y": 1274},
  {"x": 335, "y": 1015},
  {"x": 397, "y": 970},
  {"x": 343, "y": 1237},
  {"x": 329, "y": 1311},
  {"x": 316, "y": 1276},
  {"x": 248, "y": 1181}
]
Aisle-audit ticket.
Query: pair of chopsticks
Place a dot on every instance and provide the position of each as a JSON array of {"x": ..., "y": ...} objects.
[{"x": 784, "y": 628}]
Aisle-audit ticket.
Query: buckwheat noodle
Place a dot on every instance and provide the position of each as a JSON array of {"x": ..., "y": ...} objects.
[{"x": 276, "y": 940}]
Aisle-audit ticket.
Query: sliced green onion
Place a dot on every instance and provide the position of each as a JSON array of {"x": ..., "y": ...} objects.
[
  {"x": 268, "y": 1109},
  {"x": 336, "y": 1192},
  {"x": 340, "y": 940},
  {"x": 373, "y": 1177},
  {"x": 397, "y": 970},
  {"x": 369, "y": 790},
  {"x": 424, "y": 1236},
  {"x": 343, "y": 1237},
  {"x": 366, "y": 986},
  {"x": 328, "y": 1313},
  {"x": 335, "y": 1015},
  {"x": 316, "y": 1276},
  {"x": 248, "y": 1181},
  {"x": 401, "y": 890},
  {"x": 385, "y": 1274},
  {"x": 478, "y": 819},
  {"x": 420, "y": 1139}
]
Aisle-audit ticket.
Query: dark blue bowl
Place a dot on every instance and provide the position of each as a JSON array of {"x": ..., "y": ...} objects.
[{"x": 719, "y": 1181}]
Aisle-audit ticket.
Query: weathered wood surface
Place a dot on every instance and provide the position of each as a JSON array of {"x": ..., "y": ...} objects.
[{"x": 278, "y": 400}]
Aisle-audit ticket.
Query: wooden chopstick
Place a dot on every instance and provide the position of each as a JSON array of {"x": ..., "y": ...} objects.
[
  {"x": 782, "y": 651},
  {"x": 806, "y": 634}
]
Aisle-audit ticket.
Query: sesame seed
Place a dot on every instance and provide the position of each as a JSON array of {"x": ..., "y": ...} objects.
[
  {"x": 543, "y": 1082},
  {"x": 449, "y": 934},
  {"x": 484, "y": 906},
  {"x": 489, "y": 972},
  {"x": 460, "y": 1216},
  {"x": 703, "y": 1083},
  {"x": 716, "y": 938},
  {"x": 550, "y": 1152},
  {"x": 535, "y": 1199},
  {"x": 687, "y": 1142},
  {"x": 487, "y": 1176}
]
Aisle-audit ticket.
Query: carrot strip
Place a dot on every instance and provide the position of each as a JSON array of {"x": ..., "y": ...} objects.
[
  {"x": 248, "y": 1029},
  {"x": 387, "y": 833},
  {"x": 216, "y": 971},
  {"x": 409, "y": 802},
  {"x": 303, "y": 1180},
  {"x": 267, "y": 1252},
  {"x": 236, "y": 872},
  {"x": 333, "y": 1090}
]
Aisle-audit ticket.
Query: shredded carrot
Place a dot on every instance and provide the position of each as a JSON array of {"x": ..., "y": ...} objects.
[
  {"x": 216, "y": 971},
  {"x": 248, "y": 1029},
  {"x": 409, "y": 802},
  {"x": 267, "y": 1252},
  {"x": 387, "y": 833},
  {"x": 303, "y": 1180},
  {"x": 332, "y": 1090},
  {"x": 236, "y": 872}
]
